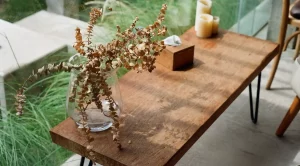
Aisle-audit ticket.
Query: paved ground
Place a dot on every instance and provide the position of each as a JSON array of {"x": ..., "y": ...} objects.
[
  {"x": 22, "y": 41},
  {"x": 60, "y": 26},
  {"x": 234, "y": 141}
]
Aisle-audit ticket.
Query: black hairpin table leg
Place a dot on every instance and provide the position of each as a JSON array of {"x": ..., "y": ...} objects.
[
  {"x": 82, "y": 161},
  {"x": 254, "y": 115},
  {"x": 91, "y": 163}
]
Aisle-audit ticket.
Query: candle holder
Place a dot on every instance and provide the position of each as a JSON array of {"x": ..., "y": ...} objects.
[
  {"x": 203, "y": 7},
  {"x": 205, "y": 26},
  {"x": 215, "y": 26}
]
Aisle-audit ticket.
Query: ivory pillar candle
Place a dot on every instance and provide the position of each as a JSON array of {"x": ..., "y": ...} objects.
[
  {"x": 215, "y": 26},
  {"x": 205, "y": 25},
  {"x": 203, "y": 7}
]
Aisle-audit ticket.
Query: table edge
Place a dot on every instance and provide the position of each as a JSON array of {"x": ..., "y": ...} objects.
[{"x": 179, "y": 154}]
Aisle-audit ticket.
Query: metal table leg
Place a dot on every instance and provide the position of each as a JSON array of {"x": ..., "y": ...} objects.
[
  {"x": 82, "y": 161},
  {"x": 91, "y": 163},
  {"x": 254, "y": 115}
]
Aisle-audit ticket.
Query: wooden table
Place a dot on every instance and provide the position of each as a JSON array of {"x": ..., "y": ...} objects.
[{"x": 166, "y": 112}]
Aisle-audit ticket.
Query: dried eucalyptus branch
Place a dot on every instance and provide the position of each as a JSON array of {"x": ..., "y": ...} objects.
[
  {"x": 44, "y": 71},
  {"x": 133, "y": 48}
]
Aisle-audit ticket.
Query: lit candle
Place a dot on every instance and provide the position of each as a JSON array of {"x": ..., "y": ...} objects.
[
  {"x": 205, "y": 24},
  {"x": 203, "y": 7},
  {"x": 215, "y": 27}
]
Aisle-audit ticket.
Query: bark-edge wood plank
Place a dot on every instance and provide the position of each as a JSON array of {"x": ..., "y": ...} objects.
[{"x": 166, "y": 112}]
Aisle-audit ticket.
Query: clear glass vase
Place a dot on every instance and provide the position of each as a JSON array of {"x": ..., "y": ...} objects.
[{"x": 98, "y": 120}]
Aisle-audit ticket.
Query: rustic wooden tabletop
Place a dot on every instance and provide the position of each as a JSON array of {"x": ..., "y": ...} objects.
[{"x": 165, "y": 112}]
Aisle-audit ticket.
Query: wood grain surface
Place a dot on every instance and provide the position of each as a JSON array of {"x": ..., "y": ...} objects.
[{"x": 165, "y": 112}]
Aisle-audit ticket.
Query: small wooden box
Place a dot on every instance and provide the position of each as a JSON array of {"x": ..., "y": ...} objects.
[{"x": 178, "y": 57}]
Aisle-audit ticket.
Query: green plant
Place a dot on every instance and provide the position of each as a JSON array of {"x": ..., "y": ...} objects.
[
  {"x": 26, "y": 141},
  {"x": 15, "y": 10},
  {"x": 181, "y": 15},
  {"x": 106, "y": 5}
]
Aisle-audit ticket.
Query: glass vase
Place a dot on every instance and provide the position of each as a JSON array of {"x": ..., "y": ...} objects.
[{"x": 97, "y": 119}]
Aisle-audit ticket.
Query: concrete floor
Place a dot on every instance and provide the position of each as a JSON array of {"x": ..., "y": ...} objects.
[{"x": 233, "y": 140}]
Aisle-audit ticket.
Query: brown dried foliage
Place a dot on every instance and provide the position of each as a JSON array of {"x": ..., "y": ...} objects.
[{"x": 133, "y": 48}]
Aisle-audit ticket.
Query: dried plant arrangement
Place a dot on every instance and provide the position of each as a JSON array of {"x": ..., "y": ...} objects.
[{"x": 134, "y": 48}]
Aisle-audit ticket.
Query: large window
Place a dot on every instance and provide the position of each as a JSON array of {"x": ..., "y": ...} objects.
[
  {"x": 253, "y": 15},
  {"x": 37, "y": 32}
]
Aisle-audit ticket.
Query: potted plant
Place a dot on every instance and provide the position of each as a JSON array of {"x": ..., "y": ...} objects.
[{"x": 93, "y": 79}]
